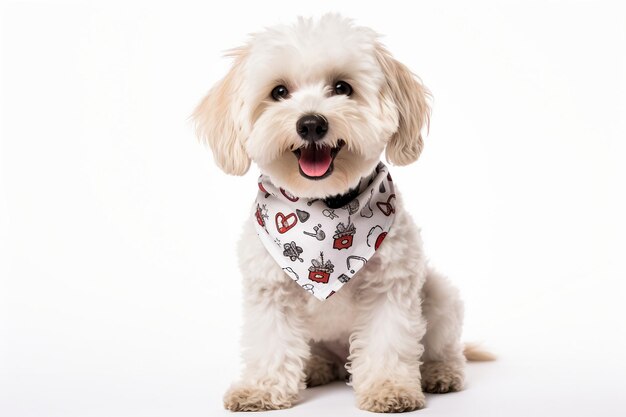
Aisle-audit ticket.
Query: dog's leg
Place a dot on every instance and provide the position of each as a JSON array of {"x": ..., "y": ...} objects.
[
  {"x": 275, "y": 347},
  {"x": 324, "y": 365},
  {"x": 444, "y": 363},
  {"x": 385, "y": 348}
]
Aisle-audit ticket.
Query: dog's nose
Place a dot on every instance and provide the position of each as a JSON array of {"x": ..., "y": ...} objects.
[{"x": 312, "y": 127}]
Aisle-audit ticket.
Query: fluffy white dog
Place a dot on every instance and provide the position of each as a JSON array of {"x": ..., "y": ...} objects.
[{"x": 314, "y": 105}]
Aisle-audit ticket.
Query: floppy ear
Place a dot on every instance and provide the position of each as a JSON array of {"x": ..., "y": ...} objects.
[
  {"x": 217, "y": 123},
  {"x": 410, "y": 97}
]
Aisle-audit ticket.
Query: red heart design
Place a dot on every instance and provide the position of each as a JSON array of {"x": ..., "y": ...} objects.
[
  {"x": 379, "y": 240},
  {"x": 284, "y": 223},
  {"x": 288, "y": 195}
]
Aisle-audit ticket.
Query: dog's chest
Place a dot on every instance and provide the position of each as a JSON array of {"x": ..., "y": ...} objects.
[
  {"x": 331, "y": 319},
  {"x": 334, "y": 318}
]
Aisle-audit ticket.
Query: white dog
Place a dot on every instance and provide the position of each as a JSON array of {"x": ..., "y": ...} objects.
[{"x": 314, "y": 105}]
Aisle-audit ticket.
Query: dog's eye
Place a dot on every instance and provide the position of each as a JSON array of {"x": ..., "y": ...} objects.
[
  {"x": 280, "y": 92},
  {"x": 343, "y": 88}
]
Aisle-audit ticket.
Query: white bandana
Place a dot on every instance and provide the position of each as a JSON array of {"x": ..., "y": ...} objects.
[{"x": 322, "y": 244}]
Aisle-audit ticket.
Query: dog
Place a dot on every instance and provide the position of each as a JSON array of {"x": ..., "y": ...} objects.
[{"x": 314, "y": 105}]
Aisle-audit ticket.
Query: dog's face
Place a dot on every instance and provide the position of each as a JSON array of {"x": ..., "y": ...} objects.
[{"x": 314, "y": 105}]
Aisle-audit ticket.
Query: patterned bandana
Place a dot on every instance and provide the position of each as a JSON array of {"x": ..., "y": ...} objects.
[{"x": 322, "y": 244}]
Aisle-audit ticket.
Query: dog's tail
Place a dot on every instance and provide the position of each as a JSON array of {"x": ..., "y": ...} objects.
[{"x": 474, "y": 353}]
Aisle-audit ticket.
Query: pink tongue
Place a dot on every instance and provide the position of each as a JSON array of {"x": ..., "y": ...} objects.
[{"x": 315, "y": 162}]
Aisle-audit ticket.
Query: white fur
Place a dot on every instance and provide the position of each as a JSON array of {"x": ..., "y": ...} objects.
[{"x": 397, "y": 314}]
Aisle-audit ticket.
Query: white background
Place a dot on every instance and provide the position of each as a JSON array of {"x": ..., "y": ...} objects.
[{"x": 119, "y": 292}]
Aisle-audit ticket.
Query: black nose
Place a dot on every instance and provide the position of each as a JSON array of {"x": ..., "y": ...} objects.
[{"x": 312, "y": 127}]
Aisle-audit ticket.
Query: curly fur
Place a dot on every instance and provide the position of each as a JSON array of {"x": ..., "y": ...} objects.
[{"x": 396, "y": 327}]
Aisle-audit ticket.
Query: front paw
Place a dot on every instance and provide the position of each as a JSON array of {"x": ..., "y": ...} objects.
[
  {"x": 256, "y": 398},
  {"x": 389, "y": 397}
]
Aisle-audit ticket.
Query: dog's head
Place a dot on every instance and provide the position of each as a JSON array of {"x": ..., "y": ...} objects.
[{"x": 314, "y": 105}]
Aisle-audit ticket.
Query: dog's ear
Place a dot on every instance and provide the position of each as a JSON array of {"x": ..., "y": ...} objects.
[
  {"x": 217, "y": 119},
  {"x": 405, "y": 93}
]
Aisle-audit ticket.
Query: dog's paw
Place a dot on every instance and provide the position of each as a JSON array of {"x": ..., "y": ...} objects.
[
  {"x": 442, "y": 377},
  {"x": 251, "y": 398},
  {"x": 388, "y": 397},
  {"x": 320, "y": 371}
]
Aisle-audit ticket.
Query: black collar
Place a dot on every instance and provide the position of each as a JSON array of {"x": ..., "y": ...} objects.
[{"x": 340, "y": 200}]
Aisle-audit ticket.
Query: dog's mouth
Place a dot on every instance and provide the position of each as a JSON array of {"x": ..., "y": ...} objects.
[{"x": 316, "y": 162}]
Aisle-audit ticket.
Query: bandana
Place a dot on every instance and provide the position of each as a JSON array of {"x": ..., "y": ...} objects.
[{"x": 322, "y": 243}]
